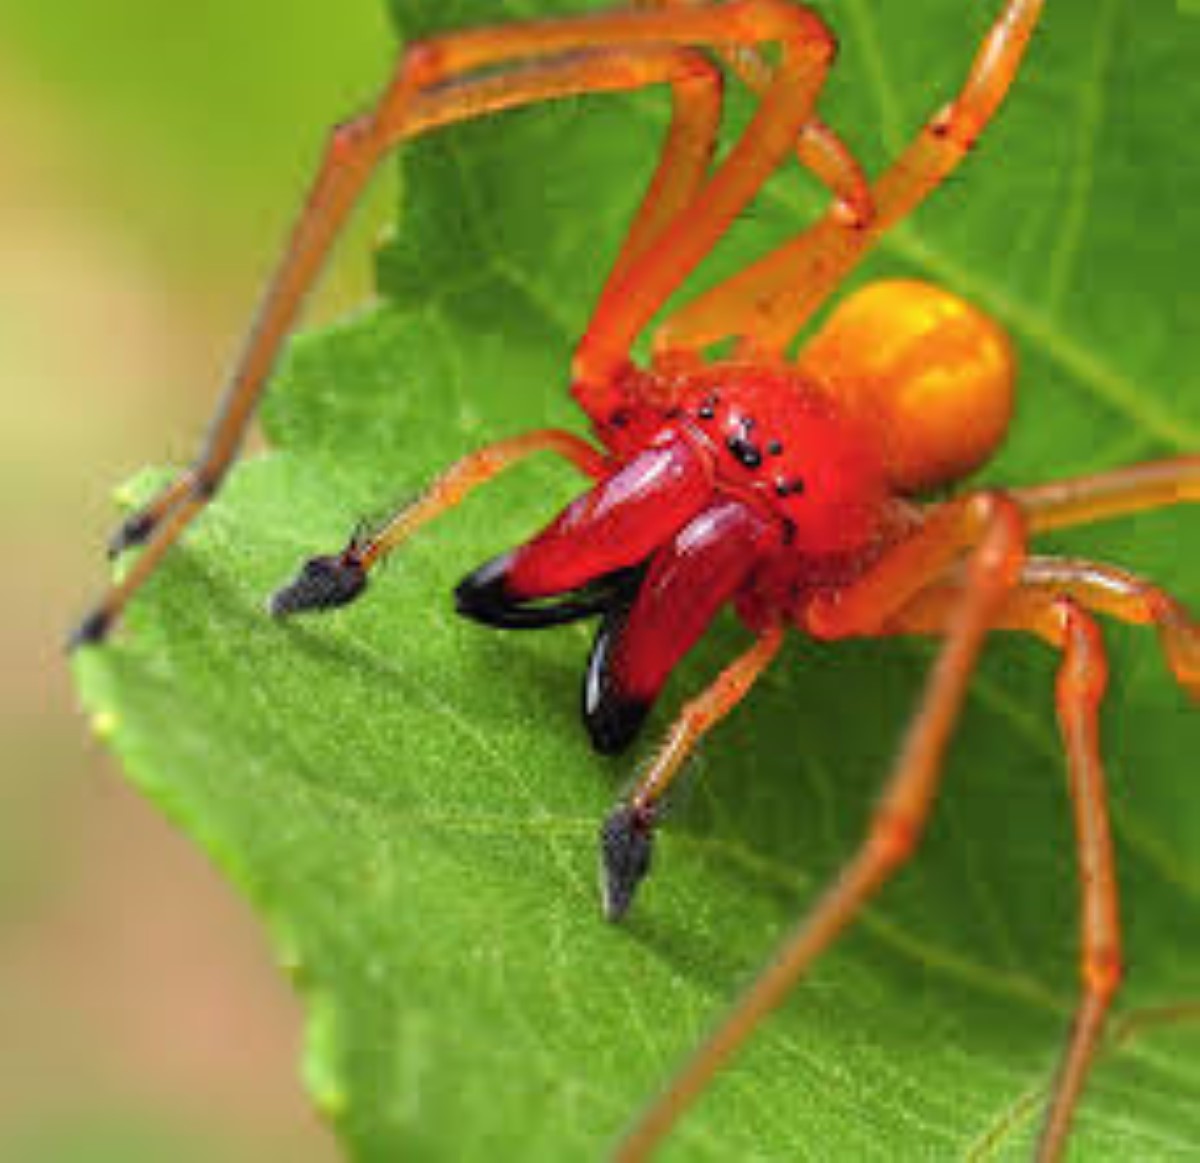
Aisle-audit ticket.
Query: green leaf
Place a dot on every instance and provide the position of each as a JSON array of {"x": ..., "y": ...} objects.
[{"x": 409, "y": 800}]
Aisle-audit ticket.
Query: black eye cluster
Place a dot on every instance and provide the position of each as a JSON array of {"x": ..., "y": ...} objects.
[{"x": 745, "y": 451}]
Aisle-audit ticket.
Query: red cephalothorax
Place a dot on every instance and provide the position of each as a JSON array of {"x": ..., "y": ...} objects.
[
  {"x": 752, "y": 483},
  {"x": 731, "y": 482},
  {"x": 788, "y": 488}
]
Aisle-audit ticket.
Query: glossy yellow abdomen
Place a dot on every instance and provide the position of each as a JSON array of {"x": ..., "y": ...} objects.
[{"x": 930, "y": 375}]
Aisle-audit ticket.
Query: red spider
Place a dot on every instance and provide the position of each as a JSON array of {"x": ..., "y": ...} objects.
[{"x": 787, "y": 488}]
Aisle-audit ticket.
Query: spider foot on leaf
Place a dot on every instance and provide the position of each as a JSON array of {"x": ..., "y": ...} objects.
[
  {"x": 323, "y": 583},
  {"x": 626, "y": 850}
]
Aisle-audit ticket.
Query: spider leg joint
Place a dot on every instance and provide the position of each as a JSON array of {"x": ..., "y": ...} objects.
[
  {"x": 895, "y": 835},
  {"x": 1103, "y": 972}
]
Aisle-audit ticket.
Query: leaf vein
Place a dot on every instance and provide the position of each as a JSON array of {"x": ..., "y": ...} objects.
[{"x": 1080, "y": 182}]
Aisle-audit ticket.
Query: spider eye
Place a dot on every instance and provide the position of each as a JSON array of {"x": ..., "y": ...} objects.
[
  {"x": 744, "y": 451},
  {"x": 793, "y": 488}
]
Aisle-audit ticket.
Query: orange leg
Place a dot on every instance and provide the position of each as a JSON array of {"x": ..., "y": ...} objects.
[
  {"x": 865, "y": 606},
  {"x": 893, "y": 833},
  {"x": 435, "y": 85},
  {"x": 1110, "y": 494},
  {"x": 1126, "y": 596},
  {"x": 818, "y": 148},
  {"x": 337, "y": 579},
  {"x": 1061, "y": 620},
  {"x": 628, "y": 304},
  {"x": 821, "y": 150},
  {"x": 627, "y": 835},
  {"x": 685, "y": 160},
  {"x": 1096, "y": 587},
  {"x": 767, "y": 304}
]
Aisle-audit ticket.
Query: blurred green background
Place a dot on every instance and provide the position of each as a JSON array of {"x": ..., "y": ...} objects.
[{"x": 153, "y": 157}]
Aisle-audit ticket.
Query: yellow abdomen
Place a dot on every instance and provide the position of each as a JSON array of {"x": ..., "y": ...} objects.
[{"x": 932, "y": 376}]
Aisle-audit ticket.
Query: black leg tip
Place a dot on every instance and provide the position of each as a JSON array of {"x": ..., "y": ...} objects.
[
  {"x": 626, "y": 848},
  {"x": 135, "y": 530},
  {"x": 323, "y": 583},
  {"x": 91, "y": 631}
]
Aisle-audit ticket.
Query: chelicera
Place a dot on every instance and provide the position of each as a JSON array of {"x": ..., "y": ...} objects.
[{"x": 790, "y": 488}]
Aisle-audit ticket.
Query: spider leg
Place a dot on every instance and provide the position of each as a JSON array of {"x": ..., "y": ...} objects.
[
  {"x": 900, "y": 815},
  {"x": 1095, "y": 586},
  {"x": 1126, "y": 596},
  {"x": 818, "y": 148},
  {"x": 1060, "y": 619},
  {"x": 453, "y": 78},
  {"x": 1081, "y": 682},
  {"x": 627, "y": 835},
  {"x": 768, "y": 303},
  {"x": 628, "y": 304},
  {"x": 864, "y": 606},
  {"x": 337, "y": 579},
  {"x": 684, "y": 161},
  {"x": 1080, "y": 500},
  {"x": 1098, "y": 587}
]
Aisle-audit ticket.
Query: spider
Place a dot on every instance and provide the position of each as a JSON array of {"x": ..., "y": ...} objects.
[{"x": 790, "y": 489}]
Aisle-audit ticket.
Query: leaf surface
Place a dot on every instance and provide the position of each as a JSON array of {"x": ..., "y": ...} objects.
[{"x": 410, "y": 803}]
